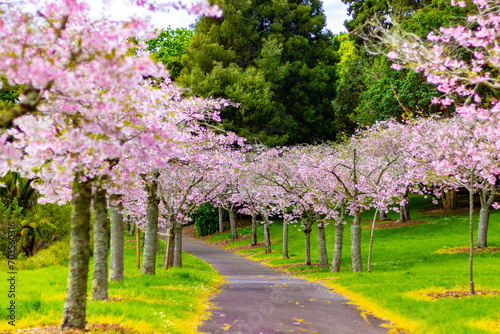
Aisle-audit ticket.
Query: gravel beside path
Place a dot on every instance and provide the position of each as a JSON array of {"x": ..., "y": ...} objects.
[{"x": 257, "y": 299}]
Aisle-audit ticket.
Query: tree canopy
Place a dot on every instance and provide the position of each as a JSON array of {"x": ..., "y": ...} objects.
[
  {"x": 274, "y": 58},
  {"x": 169, "y": 47}
]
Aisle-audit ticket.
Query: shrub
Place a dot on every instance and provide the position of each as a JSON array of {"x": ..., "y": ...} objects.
[
  {"x": 206, "y": 220},
  {"x": 36, "y": 227}
]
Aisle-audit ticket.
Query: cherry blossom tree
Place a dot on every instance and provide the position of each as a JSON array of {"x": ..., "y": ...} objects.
[
  {"x": 78, "y": 79},
  {"x": 460, "y": 153}
]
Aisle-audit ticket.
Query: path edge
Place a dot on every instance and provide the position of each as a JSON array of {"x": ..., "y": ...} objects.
[{"x": 395, "y": 323}]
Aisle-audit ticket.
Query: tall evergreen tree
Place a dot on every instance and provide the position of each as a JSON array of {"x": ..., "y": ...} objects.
[
  {"x": 386, "y": 11},
  {"x": 276, "y": 59}
]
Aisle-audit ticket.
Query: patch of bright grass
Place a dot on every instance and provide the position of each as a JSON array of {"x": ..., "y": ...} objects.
[
  {"x": 57, "y": 254},
  {"x": 405, "y": 264},
  {"x": 170, "y": 301}
]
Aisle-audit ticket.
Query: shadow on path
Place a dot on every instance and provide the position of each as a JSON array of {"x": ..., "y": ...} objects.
[{"x": 258, "y": 299}]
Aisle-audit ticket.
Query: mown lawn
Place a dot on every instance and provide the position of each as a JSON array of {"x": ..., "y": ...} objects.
[
  {"x": 405, "y": 267},
  {"x": 172, "y": 301}
]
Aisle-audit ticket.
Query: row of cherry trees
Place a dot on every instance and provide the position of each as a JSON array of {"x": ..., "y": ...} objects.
[
  {"x": 93, "y": 122},
  {"x": 97, "y": 125}
]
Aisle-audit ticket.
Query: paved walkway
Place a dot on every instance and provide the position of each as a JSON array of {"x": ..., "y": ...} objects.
[{"x": 258, "y": 299}]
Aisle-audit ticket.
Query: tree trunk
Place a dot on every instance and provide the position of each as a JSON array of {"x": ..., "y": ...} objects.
[
  {"x": 267, "y": 237},
  {"x": 482, "y": 230},
  {"x": 221, "y": 219},
  {"x": 138, "y": 248},
  {"x": 382, "y": 215},
  {"x": 172, "y": 247},
  {"x": 404, "y": 213},
  {"x": 178, "y": 244},
  {"x": 371, "y": 242},
  {"x": 471, "y": 231},
  {"x": 117, "y": 243},
  {"x": 100, "y": 275},
  {"x": 357, "y": 264},
  {"x": 484, "y": 217},
  {"x": 151, "y": 228},
  {"x": 167, "y": 258},
  {"x": 74, "y": 311},
  {"x": 254, "y": 229},
  {"x": 449, "y": 199},
  {"x": 132, "y": 229},
  {"x": 307, "y": 236},
  {"x": 307, "y": 239},
  {"x": 232, "y": 220},
  {"x": 285, "y": 240},
  {"x": 339, "y": 238},
  {"x": 323, "y": 254}
]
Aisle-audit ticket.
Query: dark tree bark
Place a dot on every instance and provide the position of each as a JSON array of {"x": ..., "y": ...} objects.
[
  {"x": 116, "y": 266},
  {"x": 100, "y": 274},
  {"x": 307, "y": 236},
  {"x": 323, "y": 254},
  {"x": 306, "y": 224},
  {"x": 357, "y": 264},
  {"x": 232, "y": 220},
  {"x": 74, "y": 311},
  {"x": 267, "y": 236},
  {"x": 339, "y": 237},
  {"x": 404, "y": 211},
  {"x": 449, "y": 200},
  {"x": 382, "y": 215},
  {"x": 171, "y": 226},
  {"x": 151, "y": 228},
  {"x": 254, "y": 229},
  {"x": 178, "y": 244},
  {"x": 221, "y": 219}
]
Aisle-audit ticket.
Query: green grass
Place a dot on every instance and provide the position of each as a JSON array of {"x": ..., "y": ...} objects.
[
  {"x": 56, "y": 254},
  {"x": 170, "y": 301},
  {"x": 405, "y": 266}
]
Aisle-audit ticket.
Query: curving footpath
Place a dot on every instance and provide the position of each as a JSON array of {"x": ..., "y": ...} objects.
[{"x": 257, "y": 299}]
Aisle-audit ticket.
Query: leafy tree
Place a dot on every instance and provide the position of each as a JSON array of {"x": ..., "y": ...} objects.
[
  {"x": 169, "y": 47},
  {"x": 369, "y": 90},
  {"x": 350, "y": 72},
  {"x": 16, "y": 187},
  {"x": 8, "y": 95},
  {"x": 386, "y": 11},
  {"x": 30, "y": 231},
  {"x": 393, "y": 94},
  {"x": 276, "y": 60}
]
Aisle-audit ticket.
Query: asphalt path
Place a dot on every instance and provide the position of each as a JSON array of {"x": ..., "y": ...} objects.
[{"x": 258, "y": 299}]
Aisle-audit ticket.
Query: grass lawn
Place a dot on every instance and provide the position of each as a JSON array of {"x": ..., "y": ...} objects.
[
  {"x": 405, "y": 267},
  {"x": 171, "y": 301}
]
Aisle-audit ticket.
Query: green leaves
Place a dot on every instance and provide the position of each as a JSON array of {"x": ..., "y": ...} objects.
[
  {"x": 169, "y": 47},
  {"x": 274, "y": 59},
  {"x": 206, "y": 220}
]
